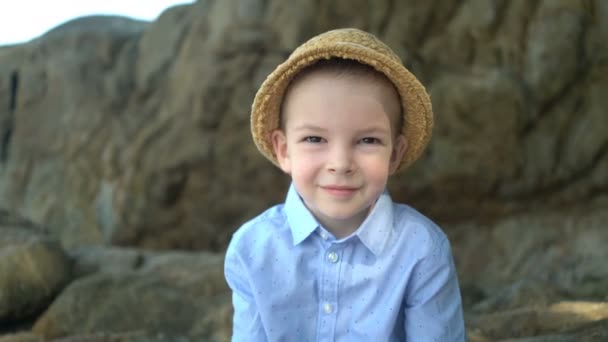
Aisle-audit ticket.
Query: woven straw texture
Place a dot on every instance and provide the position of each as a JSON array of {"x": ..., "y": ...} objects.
[{"x": 348, "y": 44}]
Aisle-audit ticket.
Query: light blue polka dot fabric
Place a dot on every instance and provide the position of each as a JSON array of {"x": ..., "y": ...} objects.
[{"x": 392, "y": 280}]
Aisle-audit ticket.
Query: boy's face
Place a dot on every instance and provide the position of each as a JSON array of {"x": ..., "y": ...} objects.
[{"x": 339, "y": 146}]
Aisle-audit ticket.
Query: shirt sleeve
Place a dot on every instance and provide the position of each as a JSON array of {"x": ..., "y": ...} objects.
[
  {"x": 246, "y": 322},
  {"x": 433, "y": 307}
]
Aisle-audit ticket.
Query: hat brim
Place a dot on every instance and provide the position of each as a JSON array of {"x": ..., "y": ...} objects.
[{"x": 415, "y": 102}]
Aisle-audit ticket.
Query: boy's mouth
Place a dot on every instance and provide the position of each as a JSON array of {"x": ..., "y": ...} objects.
[{"x": 339, "y": 190}]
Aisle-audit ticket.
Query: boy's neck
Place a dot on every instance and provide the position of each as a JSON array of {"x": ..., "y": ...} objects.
[{"x": 343, "y": 228}]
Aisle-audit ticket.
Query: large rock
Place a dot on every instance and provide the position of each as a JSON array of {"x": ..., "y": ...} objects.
[
  {"x": 33, "y": 269},
  {"x": 564, "y": 322},
  {"x": 115, "y": 131},
  {"x": 519, "y": 275},
  {"x": 169, "y": 296}
]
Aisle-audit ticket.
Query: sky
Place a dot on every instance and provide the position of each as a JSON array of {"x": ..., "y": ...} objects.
[{"x": 23, "y": 20}]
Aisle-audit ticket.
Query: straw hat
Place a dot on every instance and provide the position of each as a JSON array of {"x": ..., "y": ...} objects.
[{"x": 348, "y": 44}]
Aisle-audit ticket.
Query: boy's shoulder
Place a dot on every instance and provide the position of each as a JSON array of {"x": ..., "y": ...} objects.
[
  {"x": 417, "y": 229},
  {"x": 257, "y": 231}
]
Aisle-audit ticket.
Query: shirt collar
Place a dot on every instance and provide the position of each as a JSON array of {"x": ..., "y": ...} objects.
[
  {"x": 301, "y": 221},
  {"x": 377, "y": 227},
  {"x": 374, "y": 232}
]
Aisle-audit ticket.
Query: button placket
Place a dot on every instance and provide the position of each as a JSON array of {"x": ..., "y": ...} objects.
[
  {"x": 332, "y": 258},
  {"x": 328, "y": 296},
  {"x": 328, "y": 293}
]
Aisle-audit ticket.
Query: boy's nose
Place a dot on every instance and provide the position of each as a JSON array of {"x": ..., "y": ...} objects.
[{"x": 340, "y": 161}]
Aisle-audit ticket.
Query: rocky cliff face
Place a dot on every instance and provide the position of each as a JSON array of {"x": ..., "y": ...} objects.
[{"x": 115, "y": 132}]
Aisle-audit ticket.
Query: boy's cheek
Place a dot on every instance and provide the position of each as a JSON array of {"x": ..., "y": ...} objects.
[
  {"x": 284, "y": 163},
  {"x": 303, "y": 165}
]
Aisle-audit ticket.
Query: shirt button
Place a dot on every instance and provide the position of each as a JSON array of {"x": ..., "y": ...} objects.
[
  {"x": 328, "y": 308},
  {"x": 332, "y": 257},
  {"x": 324, "y": 236}
]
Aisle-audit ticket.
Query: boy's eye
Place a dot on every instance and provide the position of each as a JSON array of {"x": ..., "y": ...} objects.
[
  {"x": 313, "y": 139},
  {"x": 370, "y": 140}
]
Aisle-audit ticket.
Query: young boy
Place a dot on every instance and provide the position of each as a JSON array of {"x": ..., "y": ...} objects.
[{"x": 339, "y": 260}]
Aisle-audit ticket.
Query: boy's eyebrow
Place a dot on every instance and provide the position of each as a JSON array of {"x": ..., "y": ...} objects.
[
  {"x": 375, "y": 129},
  {"x": 309, "y": 127},
  {"x": 367, "y": 130}
]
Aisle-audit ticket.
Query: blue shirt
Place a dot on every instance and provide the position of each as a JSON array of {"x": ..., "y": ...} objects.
[{"x": 391, "y": 280}]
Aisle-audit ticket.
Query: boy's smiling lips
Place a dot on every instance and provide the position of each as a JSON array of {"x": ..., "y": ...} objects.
[{"x": 339, "y": 190}]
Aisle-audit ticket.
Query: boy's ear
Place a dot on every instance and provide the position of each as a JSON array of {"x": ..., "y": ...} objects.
[
  {"x": 399, "y": 148},
  {"x": 279, "y": 145}
]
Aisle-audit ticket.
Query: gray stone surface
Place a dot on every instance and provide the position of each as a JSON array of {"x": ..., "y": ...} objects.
[{"x": 121, "y": 132}]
